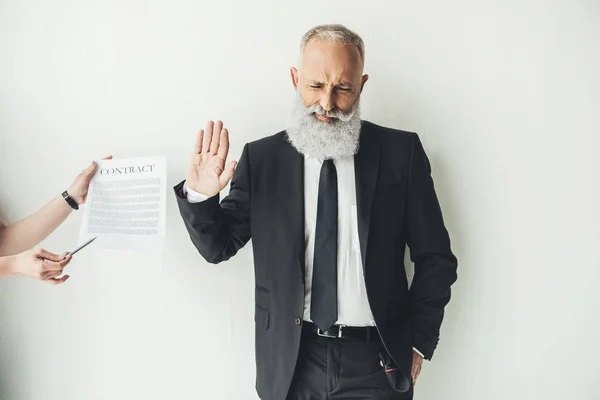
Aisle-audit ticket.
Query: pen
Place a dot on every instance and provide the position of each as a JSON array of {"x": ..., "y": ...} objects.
[{"x": 82, "y": 246}]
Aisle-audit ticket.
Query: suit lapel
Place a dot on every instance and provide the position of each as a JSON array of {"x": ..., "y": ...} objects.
[
  {"x": 366, "y": 168},
  {"x": 290, "y": 194}
]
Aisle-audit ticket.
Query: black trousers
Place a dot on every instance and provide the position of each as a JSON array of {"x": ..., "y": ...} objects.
[{"x": 341, "y": 369}]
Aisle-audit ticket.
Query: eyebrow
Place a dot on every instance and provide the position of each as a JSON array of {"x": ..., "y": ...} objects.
[{"x": 343, "y": 84}]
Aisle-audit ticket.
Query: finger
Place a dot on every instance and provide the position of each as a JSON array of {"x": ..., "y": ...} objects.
[
  {"x": 51, "y": 266},
  {"x": 57, "y": 265},
  {"x": 63, "y": 255},
  {"x": 108, "y": 158},
  {"x": 216, "y": 138},
  {"x": 55, "y": 281},
  {"x": 198, "y": 159},
  {"x": 227, "y": 173},
  {"x": 66, "y": 261},
  {"x": 208, "y": 132},
  {"x": 198, "y": 145},
  {"x": 223, "y": 145},
  {"x": 51, "y": 274},
  {"x": 46, "y": 255}
]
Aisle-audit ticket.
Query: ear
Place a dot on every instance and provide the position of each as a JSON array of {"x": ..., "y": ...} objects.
[
  {"x": 365, "y": 78},
  {"x": 295, "y": 77}
]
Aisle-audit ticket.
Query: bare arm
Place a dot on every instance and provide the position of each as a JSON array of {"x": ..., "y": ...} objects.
[
  {"x": 6, "y": 265},
  {"x": 30, "y": 231}
]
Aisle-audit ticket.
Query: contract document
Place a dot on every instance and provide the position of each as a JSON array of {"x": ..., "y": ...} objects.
[{"x": 126, "y": 205}]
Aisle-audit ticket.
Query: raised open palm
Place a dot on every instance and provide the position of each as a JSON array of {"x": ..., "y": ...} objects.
[{"x": 207, "y": 173}]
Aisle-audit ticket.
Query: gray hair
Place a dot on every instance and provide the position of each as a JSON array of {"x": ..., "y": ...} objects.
[{"x": 334, "y": 33}]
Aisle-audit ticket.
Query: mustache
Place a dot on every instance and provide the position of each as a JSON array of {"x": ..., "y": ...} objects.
[{"x": 333, "y": 113}]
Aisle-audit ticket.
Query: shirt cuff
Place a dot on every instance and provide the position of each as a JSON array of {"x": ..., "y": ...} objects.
[
  {"x": 418, "y": 352},
  {"x": 192, "y": 196}
]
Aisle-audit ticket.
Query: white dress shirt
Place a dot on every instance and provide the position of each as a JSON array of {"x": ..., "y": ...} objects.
[{"x": 353, "y": 304}]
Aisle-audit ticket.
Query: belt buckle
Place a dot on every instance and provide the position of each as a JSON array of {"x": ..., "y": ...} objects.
[{"x": 326, "y": 334}]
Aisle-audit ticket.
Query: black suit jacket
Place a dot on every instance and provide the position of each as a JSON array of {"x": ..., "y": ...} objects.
[{"x": 397, "y": 205}]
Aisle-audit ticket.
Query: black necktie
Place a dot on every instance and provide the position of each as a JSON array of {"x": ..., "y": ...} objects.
[{"x": 323, "y": 306}]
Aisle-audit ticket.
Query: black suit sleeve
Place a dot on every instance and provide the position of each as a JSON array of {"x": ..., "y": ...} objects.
[
  {"x": 219, "y": 230},
  {"x": 435, "y": 265}
]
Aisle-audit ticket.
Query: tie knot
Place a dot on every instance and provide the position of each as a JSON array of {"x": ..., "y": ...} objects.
[
  {"x": 328, "y": 165},
  {"x": 328, "y": 173}
]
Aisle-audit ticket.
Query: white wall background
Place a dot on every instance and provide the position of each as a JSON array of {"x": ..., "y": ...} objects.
[{"x": 505, "y": 96}]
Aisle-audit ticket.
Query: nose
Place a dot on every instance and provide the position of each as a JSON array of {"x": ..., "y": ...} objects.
[{"x": 327, "y": 99}]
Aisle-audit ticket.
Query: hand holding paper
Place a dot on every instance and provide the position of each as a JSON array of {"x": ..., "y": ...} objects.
[{"x": 80, "y": 186}]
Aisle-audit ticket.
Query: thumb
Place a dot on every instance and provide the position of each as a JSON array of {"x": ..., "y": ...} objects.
[
  {"x": 227, "y": 173},
  {"x": 46, "y": 255},
  {"x": 87, "y": 173}
]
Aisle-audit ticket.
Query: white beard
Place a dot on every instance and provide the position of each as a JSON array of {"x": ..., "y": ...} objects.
[{"x": 324, "y": 140}]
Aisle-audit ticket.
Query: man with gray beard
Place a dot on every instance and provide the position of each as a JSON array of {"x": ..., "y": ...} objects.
[
  {"x": 324, "y": 140},
  {"x": 330, "y": 204}
]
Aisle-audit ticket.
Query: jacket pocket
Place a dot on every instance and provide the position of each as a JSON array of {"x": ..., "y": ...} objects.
[
  {"x": 262, "y": 297},
  {"x": 262, "y": 318}
]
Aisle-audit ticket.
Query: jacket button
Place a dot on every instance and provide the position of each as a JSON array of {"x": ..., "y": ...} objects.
[{"x": 298, "y": 321}]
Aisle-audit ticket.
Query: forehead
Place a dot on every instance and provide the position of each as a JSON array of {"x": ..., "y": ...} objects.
[{"x": 331, "y": 60}]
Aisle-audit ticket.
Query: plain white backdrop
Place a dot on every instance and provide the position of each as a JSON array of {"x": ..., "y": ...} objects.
[{"x": 506, "y": 99}]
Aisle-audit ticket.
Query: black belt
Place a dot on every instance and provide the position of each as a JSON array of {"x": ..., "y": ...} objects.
[{"x": 361, "y": 333}]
